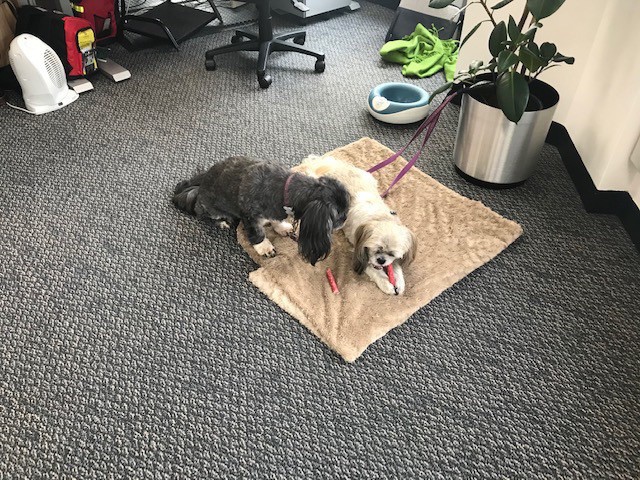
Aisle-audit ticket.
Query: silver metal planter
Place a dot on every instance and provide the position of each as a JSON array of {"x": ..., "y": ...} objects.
[{"x": 492, "y": 149}]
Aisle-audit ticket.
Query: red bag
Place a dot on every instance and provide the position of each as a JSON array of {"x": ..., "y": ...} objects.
[
  {"x": 80, "y": 38},
  {"x": 71, "y": 38},
  {"x": 103, "y": 15}
]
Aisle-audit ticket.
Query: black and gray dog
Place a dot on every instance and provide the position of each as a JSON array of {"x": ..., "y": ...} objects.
[{"x": 257, "y": 192}]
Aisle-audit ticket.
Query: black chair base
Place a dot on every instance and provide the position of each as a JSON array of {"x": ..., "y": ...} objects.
[
  {"x": 264, "y": 49},
  {"x": 264, "y": 43}
]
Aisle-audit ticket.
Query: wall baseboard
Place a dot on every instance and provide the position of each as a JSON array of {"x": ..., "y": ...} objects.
[{"x": 594, "y": 200}]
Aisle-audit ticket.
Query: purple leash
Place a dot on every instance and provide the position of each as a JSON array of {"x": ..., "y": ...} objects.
[{"x": 429, "y": 124}]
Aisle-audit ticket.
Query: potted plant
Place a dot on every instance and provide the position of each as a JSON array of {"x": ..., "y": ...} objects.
[{"x": 506, "y": 109}]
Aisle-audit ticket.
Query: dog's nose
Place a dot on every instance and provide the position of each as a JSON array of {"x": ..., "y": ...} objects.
[{"x": 380, "y": 260}]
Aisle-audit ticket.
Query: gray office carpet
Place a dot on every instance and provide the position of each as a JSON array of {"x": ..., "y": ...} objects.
[{"x": 133, "y": 346}]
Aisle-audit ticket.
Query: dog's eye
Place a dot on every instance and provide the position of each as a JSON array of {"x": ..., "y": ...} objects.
[{"x": 393, "y": 212}]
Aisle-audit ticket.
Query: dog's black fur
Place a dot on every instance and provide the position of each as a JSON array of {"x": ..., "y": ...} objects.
[{"x": 252, "y": 191}]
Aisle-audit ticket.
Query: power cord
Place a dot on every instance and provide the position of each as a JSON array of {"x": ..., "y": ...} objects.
[
  {"x": 18, "y": 108},
  {"x": 3, "y": 102}
]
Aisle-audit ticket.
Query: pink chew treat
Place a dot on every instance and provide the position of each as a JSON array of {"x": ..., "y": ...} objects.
[
  {"x": 389, "y": 270},
  {"x": 332, "y": 281}
]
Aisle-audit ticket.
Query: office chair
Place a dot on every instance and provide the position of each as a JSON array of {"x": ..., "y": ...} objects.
[{"x": 264, "y": 43}]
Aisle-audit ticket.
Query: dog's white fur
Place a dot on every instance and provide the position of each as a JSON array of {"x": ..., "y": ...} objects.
[{"x": 377, "y": 234}]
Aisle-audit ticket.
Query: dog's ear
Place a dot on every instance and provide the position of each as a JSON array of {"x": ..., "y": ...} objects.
[
  {"x": 336, "y": 193},
  {"x": 361, "y": 252},
  {"x": 316, "y": 226},
  {"x": 410, "y": 254}
]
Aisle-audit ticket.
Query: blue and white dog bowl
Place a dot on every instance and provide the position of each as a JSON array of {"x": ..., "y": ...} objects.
[{"x": 398, "y": 103}]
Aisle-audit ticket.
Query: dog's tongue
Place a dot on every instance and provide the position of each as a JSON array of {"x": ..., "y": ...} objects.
[{"x": 389, "y": 271}]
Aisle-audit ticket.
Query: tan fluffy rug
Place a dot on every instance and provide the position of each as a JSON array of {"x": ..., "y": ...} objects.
[{"x": 455, "y": 236}]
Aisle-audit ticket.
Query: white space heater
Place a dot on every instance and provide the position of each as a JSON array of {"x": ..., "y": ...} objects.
[{"x": 40, "y": 74}]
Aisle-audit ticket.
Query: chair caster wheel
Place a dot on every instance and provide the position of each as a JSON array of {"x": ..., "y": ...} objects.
[
  {"x": 236, "y": 39},
  {"x": 210, "y": 64},
  {"x": 264, "y": 80},
  {"x": 299, "y": 39},
  {"x": 319, "y": 66}
]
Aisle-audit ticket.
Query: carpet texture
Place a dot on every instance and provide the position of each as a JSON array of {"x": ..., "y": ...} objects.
[
  {"x": 133, "y": 346},
  {"x": 455, "y": 236}
]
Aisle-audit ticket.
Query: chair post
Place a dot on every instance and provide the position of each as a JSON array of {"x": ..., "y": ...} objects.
[{"x": 265, "y": 29}]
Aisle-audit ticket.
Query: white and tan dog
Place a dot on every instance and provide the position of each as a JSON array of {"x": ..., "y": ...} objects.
[{"x": 377, "y": 234}]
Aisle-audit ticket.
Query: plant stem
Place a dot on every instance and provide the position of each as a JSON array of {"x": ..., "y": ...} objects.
[
  {"x": 484, "y": 4},
  {"x": 466, "y": 6},
  {"x": 543, "y": 70},
  {"x": 523, "y": 18}
]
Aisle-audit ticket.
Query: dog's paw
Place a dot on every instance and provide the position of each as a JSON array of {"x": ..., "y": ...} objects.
[
  {"x": 265, "y": 248},
  {"x": 387, "y": 288},
  {"x": 223, "y": 224},
  {"x": 400, "y": 286},
  {"x": 284, "y": 229}
]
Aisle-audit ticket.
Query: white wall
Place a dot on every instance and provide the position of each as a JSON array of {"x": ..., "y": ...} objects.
[{"x": 600, "y": 93}]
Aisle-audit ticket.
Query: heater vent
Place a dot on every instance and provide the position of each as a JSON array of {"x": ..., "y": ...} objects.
[{"x": 52, "y": 65}]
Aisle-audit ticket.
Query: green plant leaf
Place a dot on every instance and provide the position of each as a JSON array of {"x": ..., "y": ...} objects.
[
  {"x": 548, "y": 50},
  {"x": 543, "y": 8},
  {"x": 513, "y": 95},
  {"x": 497, "y": 37},
  {"x": 533, "y": 46},
  {"x": 473, "y": 30},
  {"x": 481, "y": 83},
  {"x": 440, "y": 3},
  {"x": 561, "y": 58},
  {"x": 506, "y": 60},
  {"x": 501, "y": 4},
  {"x": 514, "y": 31},
  {"x": 531, "y": 59},
  {"x": 440, "y": 89}
]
